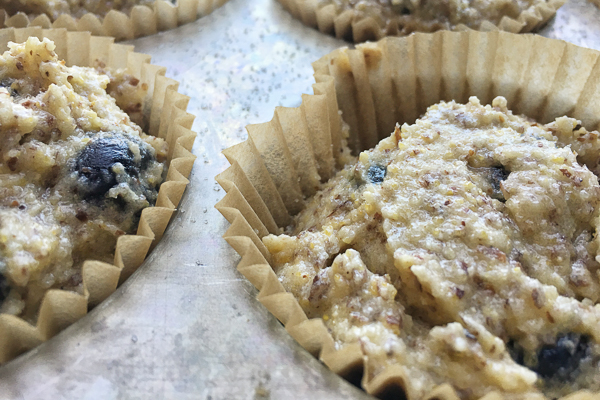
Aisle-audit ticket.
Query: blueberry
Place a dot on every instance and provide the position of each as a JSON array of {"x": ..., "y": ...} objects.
[
  {"x": 7, "y": 83},
  {"x": 95, "y": 175},
  {"x": 516, "y": 352},
  {"x": 146, "y": 158},
  {"x": 557, "y": 362},
  {"x": 496, "y": 176},
  {"x": 376, "y": 173},
  {"x": 561, "y": 360},
  {"x": 95, "y": 162},
  {"x": 4, "y": 288}
]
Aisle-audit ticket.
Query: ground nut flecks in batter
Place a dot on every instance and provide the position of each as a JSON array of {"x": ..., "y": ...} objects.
[
  {"x": 432, "y": 15},
  {"x": 55, "y": 8},
  {"x": 462, "y": 249},
  {"x": 75, "y": 171}
]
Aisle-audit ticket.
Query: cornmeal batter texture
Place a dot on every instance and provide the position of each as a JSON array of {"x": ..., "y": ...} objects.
[
  {"x": 75, "y": 170},
  {"x": 433, "y": 15},
  {"x": 462, "y": 249},
  {"x": 361, "y": 20},
  {"x": 121, "y": 19},
  {"x": 55, "y": 8}
]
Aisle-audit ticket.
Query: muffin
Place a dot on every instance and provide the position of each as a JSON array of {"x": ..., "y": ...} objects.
[
  {"x": 363, "y": 20},
  {"x": 455, "y": 243},
  {"x": 121, "y": 19},
  {"x": 456, "y": 258},
  {"x": 55, "y": 9},
  {"x": 79, "y": 175}
]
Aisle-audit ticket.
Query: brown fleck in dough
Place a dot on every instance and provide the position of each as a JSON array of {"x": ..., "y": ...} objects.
[
  {"x": 75, "y": 171},
  {"x": 463, "y": 249},
  {"x": 54, "y": 8},
  {"x": 432, "y": 15}
]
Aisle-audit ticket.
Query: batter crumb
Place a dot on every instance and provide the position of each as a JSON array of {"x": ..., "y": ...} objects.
[
  {"x": 462, "y": 249},
  {"x": 428, "y": 16},
  {"x": 55, "y": 8},
  {"x": 75, "y": 171}
]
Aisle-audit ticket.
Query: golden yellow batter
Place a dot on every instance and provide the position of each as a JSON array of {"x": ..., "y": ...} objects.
[
  {"x": 432, "y": 15},
  {"x": 75, "y": 171},
  {"x": 462, "y": 249},
  {"x": 54, "y": 8}
]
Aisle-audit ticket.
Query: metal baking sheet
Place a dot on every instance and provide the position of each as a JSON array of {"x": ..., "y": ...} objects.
[{"x": 186, "y": 325}]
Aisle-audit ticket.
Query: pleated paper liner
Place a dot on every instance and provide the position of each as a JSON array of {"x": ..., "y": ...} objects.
[
  {"x": 142, "y": 20},
  {"x": 351, "y": 25},
  {"x": 168, "y": 119},
  {"x": 375, "y": 86}
]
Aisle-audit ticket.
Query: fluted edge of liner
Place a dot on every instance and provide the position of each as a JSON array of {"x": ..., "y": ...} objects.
[
  {"x": 168, "y": 119},
  {"x": 143, "y": 20},
  {"x": 268, "y": 179},
  {"x": 350, "y": 25}
]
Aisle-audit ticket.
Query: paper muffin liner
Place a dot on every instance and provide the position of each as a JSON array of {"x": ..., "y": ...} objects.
[
  {"x": 375, "y": 86},
  {"x": 162, "y": 15},
  {"x": 165, "y": 110},
  {"x": 352, "y": 26}
]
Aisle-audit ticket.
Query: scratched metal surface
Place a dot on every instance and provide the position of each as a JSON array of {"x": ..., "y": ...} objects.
[{"x": 187, "y": 325}]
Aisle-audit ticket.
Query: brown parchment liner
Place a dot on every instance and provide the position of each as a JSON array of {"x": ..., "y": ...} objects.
[
  {"x": 143, "y": 20},
  {"x": 375, "y": 86},
  {"x": 351, "y": 25},
  {"x": 168, "y": 119}
]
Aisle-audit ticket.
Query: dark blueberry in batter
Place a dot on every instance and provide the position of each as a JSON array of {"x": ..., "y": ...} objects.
[
  {"x": 7, "y": 83},
  {"x": 561, "y": 360},
  {"x": 146, "y": 158},
  {"x": 496, "y": 176},
  {"x": 95, "y": 162},
  {"x": 516, "y": 352},
  {"x": 4, "y": 288},
  {"x": 94, "y": 169},
  {"x": 557, "y": 362},
  {"x": 376, "y": 173}
]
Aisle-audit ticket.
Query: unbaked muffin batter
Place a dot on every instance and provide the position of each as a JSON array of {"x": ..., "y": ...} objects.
[
  {"x": 433, "y": 15},
  {"x": 54, "y": 8},
  {"x": 75, "y": 171},
  {"x": 462, "y": 249}
]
